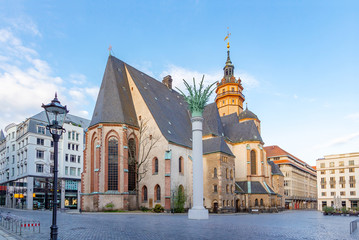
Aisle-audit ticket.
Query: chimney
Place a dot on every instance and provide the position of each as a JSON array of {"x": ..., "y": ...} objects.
[{"x": 167, "y": 81}]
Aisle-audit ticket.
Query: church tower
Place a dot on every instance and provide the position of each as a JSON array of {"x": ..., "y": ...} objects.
[{"x": 229, "y": 97}]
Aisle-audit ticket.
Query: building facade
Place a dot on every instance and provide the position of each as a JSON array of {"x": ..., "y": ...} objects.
[
  {"x": 300, "y": 179},
  {"x": 26, "y": 163},
  {"x": 237, "y": 175},
  {"x": 338, "y": 176}
]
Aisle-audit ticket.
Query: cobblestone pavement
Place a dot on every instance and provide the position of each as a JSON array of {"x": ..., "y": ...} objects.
[{"x": 285, "y": 225}]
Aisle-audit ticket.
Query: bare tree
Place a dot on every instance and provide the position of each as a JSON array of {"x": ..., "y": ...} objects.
[{"x": 138, "y": 161}]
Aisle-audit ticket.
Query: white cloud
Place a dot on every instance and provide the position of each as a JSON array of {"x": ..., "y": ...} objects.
[
  {"x": 338, "y": 141},
  {"x": 353, "y": 116},
  {"x": 27, "y": 81},
  {"x": 179, "y": 74},
  {"x": 295, "y": 96},
  {"x": 248, "y": 80}
]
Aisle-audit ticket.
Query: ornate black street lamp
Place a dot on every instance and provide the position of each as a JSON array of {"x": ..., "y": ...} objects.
[{"x": 56, "y": 114}]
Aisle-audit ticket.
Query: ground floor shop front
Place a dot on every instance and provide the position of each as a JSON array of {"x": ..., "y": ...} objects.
[{"x": 37, "y": 193}]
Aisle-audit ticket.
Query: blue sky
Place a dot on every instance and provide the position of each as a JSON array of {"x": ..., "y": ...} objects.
[{"x": 298, "y": 59}]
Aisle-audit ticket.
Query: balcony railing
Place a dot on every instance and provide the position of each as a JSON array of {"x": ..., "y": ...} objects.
[{"x": 230, "y": 92}]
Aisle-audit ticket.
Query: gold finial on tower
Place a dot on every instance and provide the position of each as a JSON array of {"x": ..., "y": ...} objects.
[{"x": 227, "y": 37}]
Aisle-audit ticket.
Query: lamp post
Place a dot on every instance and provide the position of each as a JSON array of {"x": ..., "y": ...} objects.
[{"x": 55, "y": 114}]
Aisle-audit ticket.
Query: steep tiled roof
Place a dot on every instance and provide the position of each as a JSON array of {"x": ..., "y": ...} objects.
[
  {"x": 212, "y": 124},
  {"x": 252, "y": 187},
  {"x": 2, "y": 136},
  {"x": 216, "y": 144},
  {"x": 247, "y": 114},
  {"x": 167, "y": 107},
  {"x": 275, "y": 169},
  {"x": 240, "y": 132},
  {"x": 113, "y": 103}
]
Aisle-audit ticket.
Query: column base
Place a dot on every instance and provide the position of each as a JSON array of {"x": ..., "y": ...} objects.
[{"x": 198, "y": 213}]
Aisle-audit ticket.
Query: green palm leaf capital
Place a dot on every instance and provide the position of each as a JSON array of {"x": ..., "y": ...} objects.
[{"x": 197, "y": 97}]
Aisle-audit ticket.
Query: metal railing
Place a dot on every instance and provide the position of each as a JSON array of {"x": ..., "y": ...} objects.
[{"x": 18, "y": 224}]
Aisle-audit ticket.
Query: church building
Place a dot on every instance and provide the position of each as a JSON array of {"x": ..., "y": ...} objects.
[{"x": 139, "y": 142}]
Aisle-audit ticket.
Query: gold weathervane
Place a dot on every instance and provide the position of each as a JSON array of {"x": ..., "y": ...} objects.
[{"x": 227, "y": 37}]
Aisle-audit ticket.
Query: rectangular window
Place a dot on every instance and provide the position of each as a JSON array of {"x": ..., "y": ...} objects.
[
  {"x": 39, "y": 168},
  {"x": 324, "y": 194},
  {"x": 72, "y": 171},
  {"x": 215, "y": 188},
  {"x": 342, "y": 193},
  {"x": 66, "y": 157},
  {"x": 322, "y": 172},
  {"x": 77, "y": 136},
  {"x": 12, "y": 172},
  {"x": 13, "y": 147},
  {"x": 78, "y": 159},
  {"x": 341, "y": 163},
  {"x": 72, "y": 158},
  {"x": 73, "y": 135},
  {"x": 351, "y": 162},
  {"x": 352, "y": 193},
  {"x": 40, "y": 141},
  {"x": 351, "y": 169},
  {"x": 40, "y": 154},
  {"x": 352, "y": 181},
  {"x": 331, "y": 164},
  {"x": 341, "y": 170},
  {"x": 69, "y": 146},
  {"x": 69, "y": 135},
  {"x": 332, "y": 193},
  {"x": 332, "y": 171},
  {"x": 13, "y": 159},
  {"x": 73, "y": 146},
  {"x": 41, "y": 129},
  {"x": 77, "y": 147},
  {"x": 66, "y": 170},
  {"x": 52, "y": 156}
]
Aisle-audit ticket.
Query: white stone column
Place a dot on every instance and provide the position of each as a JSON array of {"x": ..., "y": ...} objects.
[
  {"x": 197, "y": 211},
  {"x": 29, "y": 193}
]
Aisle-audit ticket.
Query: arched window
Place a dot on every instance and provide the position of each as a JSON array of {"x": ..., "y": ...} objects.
[
  {"x": 131, "y": 164},
  {"x": 226, "y": 71},
  {"x": 228, "y": 204},
  {"x": 215, "y": 173},
  {"x": 231, "y": 174},
  {"x": 261, "y": 202},
  {"x": 155, "y": 166},
  {"x": 253, "y": 163},
  {"x": 112, "y": 164},
  {"x": 144, "y": 194},
  {"x": 215, "y": 188},
  {"x": 256, "y": 203},
  {"x": 232, "y": 203},
  {"x": 227, "y": 188},
  {"x": 231, "y": 188},
  {"x": 157, "y": 193},
  {"x": 227, "y": 173},
  {"x": 224, "y": 203},
  {"x": 180, "y": 189},
  {"x": 180, "y": 165}
]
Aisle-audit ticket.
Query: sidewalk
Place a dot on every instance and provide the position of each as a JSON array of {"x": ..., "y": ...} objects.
[{"x": 6, "y": 236}]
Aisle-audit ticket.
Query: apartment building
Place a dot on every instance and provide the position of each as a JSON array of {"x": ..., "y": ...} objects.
[
  {"x": 26, "y": 163},
  {"x": 300, "y": 179},
  {"x": 338, "y": 176}
]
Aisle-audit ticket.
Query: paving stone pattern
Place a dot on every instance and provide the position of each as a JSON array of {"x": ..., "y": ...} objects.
[{"x": 285, "y": 225}]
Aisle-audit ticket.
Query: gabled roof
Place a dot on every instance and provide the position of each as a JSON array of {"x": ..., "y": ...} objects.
[
  {"x": 240, "y": 132},
  {"x": 114, "y": 103},
  {"x": 212, "y": 124},
  {"x": 2, "y": 136},
  {"x": 275, "y": 168},
  {"x": 167, "y": 107},
  {"x": 216, "y": 144},
  {"x": 83, "y": 122}
]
